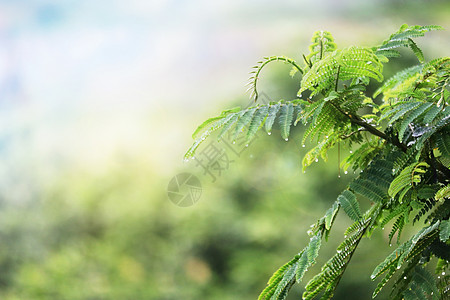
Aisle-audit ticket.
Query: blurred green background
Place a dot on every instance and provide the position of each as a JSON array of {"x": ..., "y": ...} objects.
[{"x": 98, "y": 102}]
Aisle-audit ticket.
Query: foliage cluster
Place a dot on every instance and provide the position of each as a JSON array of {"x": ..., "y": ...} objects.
[{"x": 401, "y": 147}]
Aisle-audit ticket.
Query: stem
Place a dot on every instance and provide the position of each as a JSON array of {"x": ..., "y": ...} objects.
[
  {"x": 374, "y": 211},
  {"x": 321, "y": 49},
  {"x": 337, "y": 78},
  {"x": 339, "y": 159},
  {"x": 357, "y": 120},
  {"x": 254, "y": 78}
]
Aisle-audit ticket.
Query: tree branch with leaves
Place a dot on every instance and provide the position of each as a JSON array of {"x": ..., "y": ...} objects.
[{"x": 404, "y": 162}]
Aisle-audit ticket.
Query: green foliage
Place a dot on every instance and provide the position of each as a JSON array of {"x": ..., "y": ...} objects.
[
  {"x": 404, "y": 38},
  {"x": 406, "y": 180},
  {"x": 351, "y": 207},
  {"x": 400, "y": 144},
  {"x": 247, "y": 121},
  {"x": 283, "y": 279}
]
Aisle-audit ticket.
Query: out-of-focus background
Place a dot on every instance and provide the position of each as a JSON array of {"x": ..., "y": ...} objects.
[{"x": 98, "y": 101}]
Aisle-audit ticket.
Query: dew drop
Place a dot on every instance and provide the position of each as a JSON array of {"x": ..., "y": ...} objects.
[
  {"x": 269, "y": 133},
  {"x": 246, "y": 145},
  {"x": 234, "y": 142},
  {"x": 286, "y": 139},
  {"x": 443, "y": 273},
  {"x": 390, "y": 245},
  {"x": 317, "y": 159},
  {"x": 398, "y": 268},
  {"x": 193, "y": 157},
  {"x": 303, "y": 146},
  {"x": 439, "y": 277},
  {"x": 351, "y": 151},
  {"x": 372, "y": 276},
  {"x": 203, "y": 138},
  {"x": 339, "y": 176},
  {"x": 345, "y": 172},
  {"x": 405, "y": 277},
  {"x": 382, "y": 228},
  {"x": 339, "y": 251},
  {"x": 369, "y": 62}
]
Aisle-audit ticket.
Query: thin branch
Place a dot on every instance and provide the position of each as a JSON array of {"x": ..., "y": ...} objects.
[
  {"x": 357, "y": 120},
  {"x": 346, "y": 136}
]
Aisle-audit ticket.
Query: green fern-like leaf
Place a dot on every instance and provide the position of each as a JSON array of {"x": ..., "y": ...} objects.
[
  {"x": 243, "y": 121},
  {"x": 403, "y": 38},
  {"x": 308, "y": 257},
  {"x": 383, "y": 282},
  {"x": 410, "y": 117},
  {"x": 321, "y": 76},
  {"x": 291, "y": 272},
  {"x": 398, "y": 226},
  {"x": 330, "y": 215},
  {"x": 407, "y": 178},
  {"x": 350, "y": 205},
  {"x": 421, "y": 286},
  {"x": 286, "y": 117},
  {"x": 444, "y": 230},
  {"x": 442, "y": 141},
  {"x": 361, "y": 157},
  {"x": 208, "y": 127},
  {"x": 331, "y": 272},
  {"x": 212, "y": 121},
  {"x": 277, "y": 277},
  {"x": 257, "y": 122},
  {"x": 358, "y": 62},
  {"x": 444, "y": 192},
  {"x": 322, "y": 42},
  {"x": 407, "y": 250},
  {"x": 395, "y": 81},
  {"x": 247, "y": 122},
  {"x": 399, "y": 111},
  {"x": 273, "y": 111},
  {"x": 345, "y": 64},
  {"x": 431, "y": 114},
  {"x": 416, "y": 50}
]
